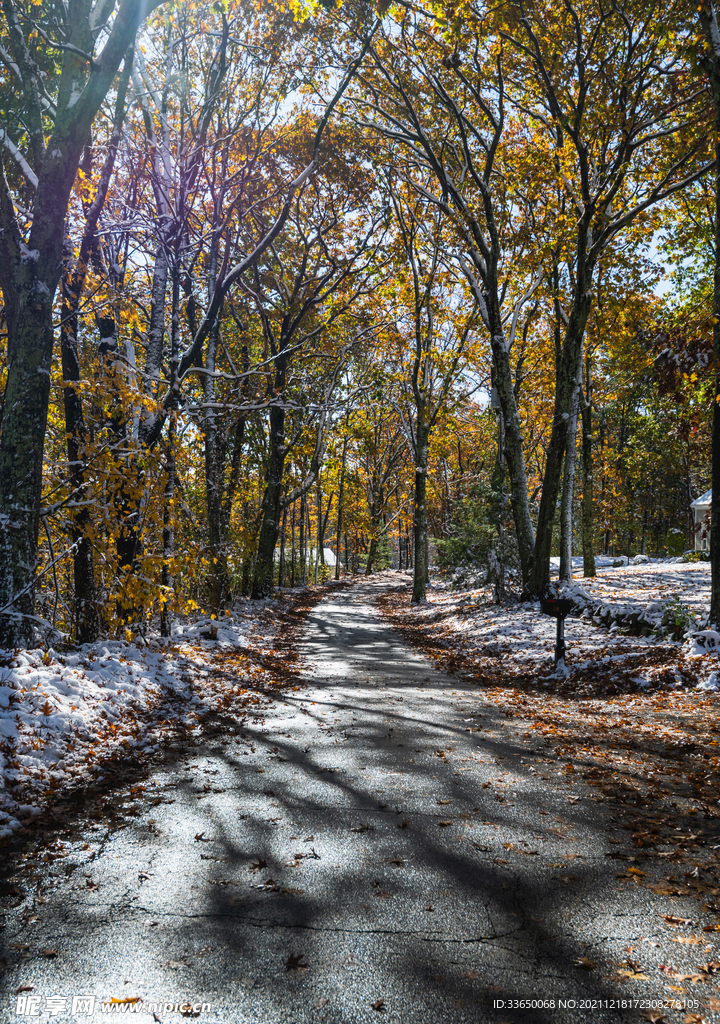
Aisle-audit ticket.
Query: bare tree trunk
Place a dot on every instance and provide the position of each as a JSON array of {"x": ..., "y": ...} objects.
[
  {"x": 376, "y": 525},
  {"x": 86, "y": 607},
  {"x": 341, "y": 495},
  {"x": 420, "y": 575},
  {"x": 87, "y": 617},
  {"x": 500, "y": 488},
  {"x": 271, "y": 503},
  {"x": 308, "y": 542},
  {"x": 567, "y": 377},
  {"x": 281, "y": 565},
  {"x": 513, "y": 449},
  {"x": 303, "y": 518},
  {"x": 168, "y": 536},
  {"x": 214, "y": 461},
  {"x": 322, "y": 526},
  {"x": 711, "y": 59},
  {"x": 568, "y": 492},
  {"x": 587, "y": 495},
  {"x": 169, "y": 503}
]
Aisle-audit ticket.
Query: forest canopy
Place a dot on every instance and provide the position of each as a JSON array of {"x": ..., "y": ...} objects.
[{"x": 296, "y": 291}]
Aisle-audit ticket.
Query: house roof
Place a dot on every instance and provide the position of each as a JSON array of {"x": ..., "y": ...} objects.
[{"x": 704, "y": 501}]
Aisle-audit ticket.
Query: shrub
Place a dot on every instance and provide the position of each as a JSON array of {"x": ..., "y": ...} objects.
[
  {"x": 472, "y": 549},
  {"x": 675, "y": 542},
  {"x": 696, "y": 556},
  {"x": 677, "y": 619}
]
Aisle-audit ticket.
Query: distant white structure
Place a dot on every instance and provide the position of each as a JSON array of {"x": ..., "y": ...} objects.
[
  {"x": 328, "y": 552},
  {"x": 701, "y": 506},
  {"x": 329, "y": 556}
]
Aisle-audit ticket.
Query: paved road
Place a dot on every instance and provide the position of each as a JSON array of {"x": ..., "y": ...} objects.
[{"x": 418, "y": 854}]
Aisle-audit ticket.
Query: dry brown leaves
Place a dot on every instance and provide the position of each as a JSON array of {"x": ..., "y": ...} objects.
[{"x": 652, "y": 758}]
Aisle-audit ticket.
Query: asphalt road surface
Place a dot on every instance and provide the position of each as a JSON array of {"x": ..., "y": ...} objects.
[{"x": 416, "y": 860}]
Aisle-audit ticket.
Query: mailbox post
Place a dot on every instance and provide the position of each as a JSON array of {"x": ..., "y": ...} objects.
[{"x": 559, "y": 608}]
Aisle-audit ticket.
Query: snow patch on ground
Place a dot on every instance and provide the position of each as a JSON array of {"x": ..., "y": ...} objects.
[
  {"x": 711, "y": 684},
  {"x": 617, "y": 631},
  {"x": 62, "y": 715}
]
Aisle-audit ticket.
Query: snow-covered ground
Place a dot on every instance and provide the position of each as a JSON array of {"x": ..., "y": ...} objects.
[
  {"x": 517, "y": 642},
  {"x": 62, "y": 716},
  {"x": 648, "y": 587}
]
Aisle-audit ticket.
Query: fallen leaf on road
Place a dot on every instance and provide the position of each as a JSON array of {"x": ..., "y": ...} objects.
[
  {"x": 362, "y": 828},
  {"x": 677, "y": 921},
  {"x": 49, "y": 952},
  {"x": 127, "y": 1000},
  {"x": 24, "y": 988},
  {"x": 379, "y": 1006},
  {"x": 258, "y": 865},
  {"x": 655, "y": 1016},
  {"x": 295, "y": 962},
  {"x": 586, "y": 962},
  {"x": 688, "y": 940},
  {"x": 200, "y": 838},
  {"x": 634, "y": 975},
  {"x": 444, "y": 824}
]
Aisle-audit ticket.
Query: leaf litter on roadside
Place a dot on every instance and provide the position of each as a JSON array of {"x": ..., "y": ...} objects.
[{"x": 651, "y": 758}]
